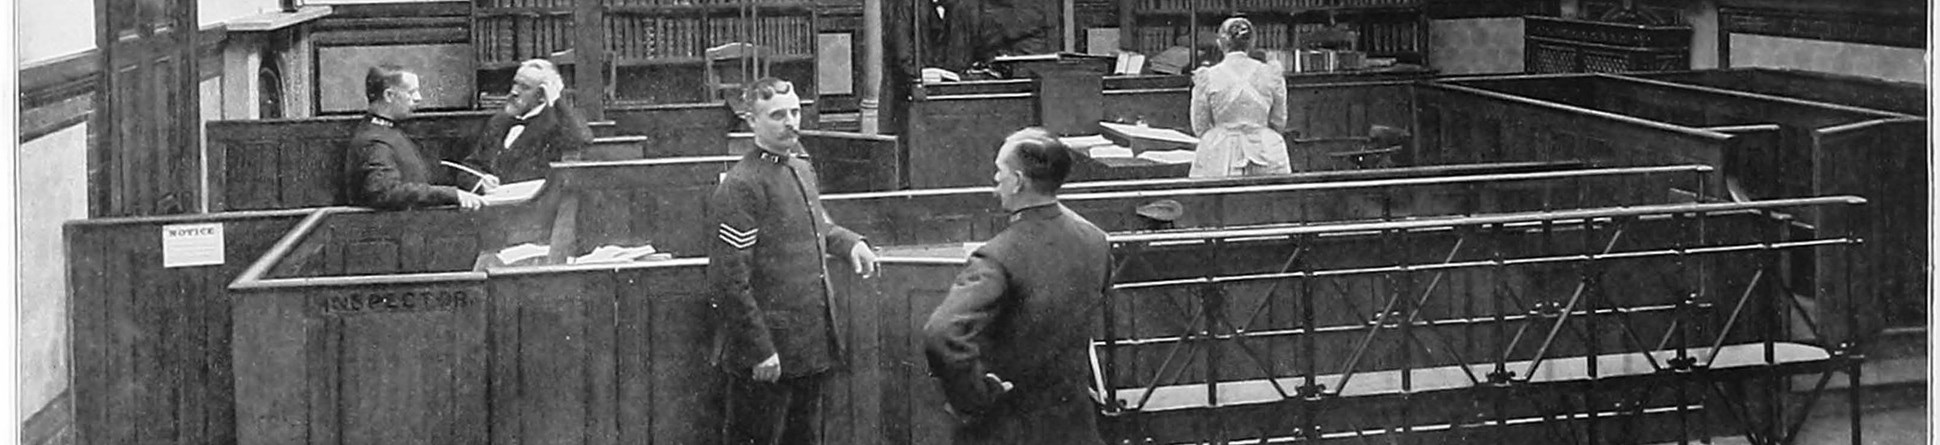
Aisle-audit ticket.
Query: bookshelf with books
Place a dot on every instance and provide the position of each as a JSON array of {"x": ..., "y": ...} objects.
[
  {"x": 658, "y": 49},
  {"x": 1393, "y": 30},
  {"x": 649, "y": 51}
]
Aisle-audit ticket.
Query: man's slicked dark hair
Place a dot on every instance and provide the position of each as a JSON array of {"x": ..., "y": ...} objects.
[
  {"x": 380, "y": 78},
  {"x": 764, "y": 89},
  {"x": 1043, "y": 159}
]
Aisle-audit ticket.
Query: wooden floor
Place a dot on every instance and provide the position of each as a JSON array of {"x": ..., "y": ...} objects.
[{"x": 1372, "y": 383}]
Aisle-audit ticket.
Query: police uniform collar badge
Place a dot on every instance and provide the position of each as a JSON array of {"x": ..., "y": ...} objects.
[{"x": 778, "y": 157}]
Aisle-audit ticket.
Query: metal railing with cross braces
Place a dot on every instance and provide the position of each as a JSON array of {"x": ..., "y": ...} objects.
[{"x": 1610, "y": 325}]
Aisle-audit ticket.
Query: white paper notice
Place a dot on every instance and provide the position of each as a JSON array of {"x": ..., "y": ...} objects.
[{"x": 185, "y": 245}]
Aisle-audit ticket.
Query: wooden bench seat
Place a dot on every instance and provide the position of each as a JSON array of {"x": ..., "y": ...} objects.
[{"x": 1443, "y": 378}]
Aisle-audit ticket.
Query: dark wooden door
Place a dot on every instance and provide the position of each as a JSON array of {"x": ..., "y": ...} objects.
[{"x": 146, "y": 160}]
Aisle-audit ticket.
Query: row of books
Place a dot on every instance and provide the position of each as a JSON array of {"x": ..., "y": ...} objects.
[
  {"x": 1380, "y": 38},
  {"x": 489, "y": 4},
  {"x": 1375, "y": 37},
  {"x": 1313, "y": 61},
  {"x": 1264, "y": 5},
  {"x": 1155, "y": 39},
  {"x": 1389, "y": 38},
  {"x": 637, "y": 37},
  {"x": 564, "y": 4},
  {"x": 515, "y": 38},
  {"x": 1277, "y": 5}
]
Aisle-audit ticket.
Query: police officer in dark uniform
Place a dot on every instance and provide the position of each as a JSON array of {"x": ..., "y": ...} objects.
[
  {"x": 1008, "y": 342},
  {"x": 775, "y": 335},
  {"x": 382, "y": 167}
]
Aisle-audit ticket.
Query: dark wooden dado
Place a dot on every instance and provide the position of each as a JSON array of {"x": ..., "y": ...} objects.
[{"x": 1900, "y": 23}]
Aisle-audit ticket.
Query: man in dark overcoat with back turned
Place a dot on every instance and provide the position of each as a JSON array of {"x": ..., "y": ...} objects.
[{"x": 1008, "y": 344}]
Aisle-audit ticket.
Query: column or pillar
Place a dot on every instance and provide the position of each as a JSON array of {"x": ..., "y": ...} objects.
[
  {"x": 589, "y": 58},
  {"x": 241, "y": 58},
  {"x": 872, "y": 66},
  {"x": 1070, "y": 25}
]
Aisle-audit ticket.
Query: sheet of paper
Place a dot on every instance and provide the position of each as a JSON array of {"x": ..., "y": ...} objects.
[
  {"x": 522, "y": 252},
  {"x": 514, "y": 192},
  {"x": 1169, "y": 156},
  {"x": 186, "y": 245},
  {"x": 1084, "y": 142},
  {"x": 1150, "y": 133},
  {"x": 1110, "y": 151}
]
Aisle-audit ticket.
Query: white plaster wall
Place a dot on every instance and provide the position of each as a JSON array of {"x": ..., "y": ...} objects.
[
  {"x": 1476, "y": 46},
  {"x": 48, "y": 29},
  {"x": 54, "y": 167},
  {"x": 210, "y": 12},
  {"x": 1884, "y": 62}
]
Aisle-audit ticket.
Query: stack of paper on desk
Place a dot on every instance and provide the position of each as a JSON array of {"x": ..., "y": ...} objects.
[
  {"x": 523, "y": 252},
  {"x": 1169, "y": 156},
  {"x": 1084, "y": 142},
  {"x": 515, "y": 192},
  {"x": 1110, "y": 151},
  {"x": 1142, "y": 138},
  {"x": 617, "y": 254}
]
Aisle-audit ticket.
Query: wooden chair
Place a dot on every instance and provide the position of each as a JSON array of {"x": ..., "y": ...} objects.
[{"x": 732, "y": 65}]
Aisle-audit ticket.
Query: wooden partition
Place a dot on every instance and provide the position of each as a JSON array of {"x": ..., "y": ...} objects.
[
  {"x": 680, "y": 130},
  {"x": 954, "y": 125},
  {"x": 560, "y": 354},
  {"x": 1816, "y": 149},
  {"x": 1885, "y": 161},
  {"x": 856, "y": 162},
  {"x": 297, "y": 163},
  {"x": 150, "y": 343},
  {"x": 1466, "y": 124},
  {"x": 966, "y": 215},
  {"x": 385, "y": 357},
  {"x": 629, "y": 203}
]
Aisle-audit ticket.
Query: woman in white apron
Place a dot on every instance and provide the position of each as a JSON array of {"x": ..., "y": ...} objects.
[{"x": 1239, "y": 108}]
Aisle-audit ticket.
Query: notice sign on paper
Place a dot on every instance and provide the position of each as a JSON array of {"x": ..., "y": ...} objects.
[{"x": 185, "y": 245}]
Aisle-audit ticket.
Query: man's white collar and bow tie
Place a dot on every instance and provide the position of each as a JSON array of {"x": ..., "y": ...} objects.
[{"x": 518, "y": 124}]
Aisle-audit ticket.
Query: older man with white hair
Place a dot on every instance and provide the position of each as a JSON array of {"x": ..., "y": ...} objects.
[{"x": 538, "y": 125}]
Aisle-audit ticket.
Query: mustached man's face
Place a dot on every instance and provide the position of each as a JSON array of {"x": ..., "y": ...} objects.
[{"x": 776, "y": 121}]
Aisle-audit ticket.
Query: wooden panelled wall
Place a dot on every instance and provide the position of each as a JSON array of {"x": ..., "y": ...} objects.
[{"x": 151, "y": 344}]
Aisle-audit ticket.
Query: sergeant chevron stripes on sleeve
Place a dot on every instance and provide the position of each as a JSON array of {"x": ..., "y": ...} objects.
[{"x": 739, "y": 239}]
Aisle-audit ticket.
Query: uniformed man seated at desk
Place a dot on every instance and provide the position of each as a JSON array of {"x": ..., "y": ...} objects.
[
  {"x": 538, "y": 125},
  {"x": 383, "y": 168}
]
